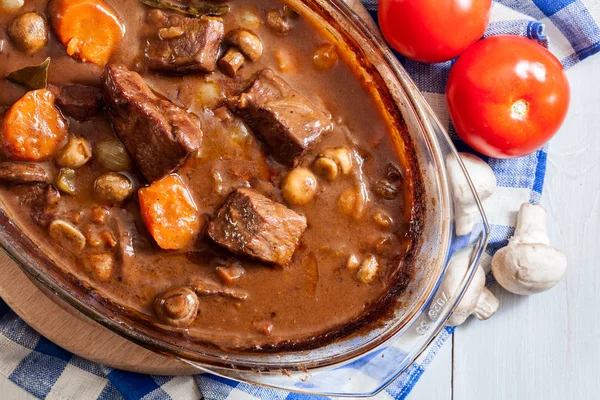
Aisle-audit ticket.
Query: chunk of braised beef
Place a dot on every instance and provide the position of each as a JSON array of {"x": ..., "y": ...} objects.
[
  {"x": 281, "y": 19},
  {"x": 207, "y": 288},
  {"x": 158, "y": 135},
  {"x": 46, "y": 206},
  {"x": 81, "y": 102},
  {"x": 17, "y": 173},
  {"x": 252, "y": 225},
  {"x": 285, "y": 120},
  {"x": 28, "y": 194},
  {"x": 183, "y": 45},
  {"x": 267, "y": 189}
]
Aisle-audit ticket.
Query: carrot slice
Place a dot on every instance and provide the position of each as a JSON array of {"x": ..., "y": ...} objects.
[
  {"x": 33, "y": 129},
  {"x": 89, "y": 29},
  {"x": 169, "y": 212}
]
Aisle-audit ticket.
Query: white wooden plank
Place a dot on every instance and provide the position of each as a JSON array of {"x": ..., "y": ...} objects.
[
  {"x": 436, "y": 382},
  {"x": 547, "y": 346}
]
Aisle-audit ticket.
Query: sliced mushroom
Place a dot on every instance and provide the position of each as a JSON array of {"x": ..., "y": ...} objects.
[
  {"x": 326, "y": 168},
  {"x": 13, "y": 172},
  {"x": 346, "y": 201},
  {"x": 331, "y": 161},
  {"x": 382, "y": 219},
  {"x": 247, "y": 42},
  {"x": 177, "y": 307},
  {"x": 286, "y": 60},
  {"x": 342, "y": 156},
  {"x": 352, "y": 202},
  {"x": 230, "y": 273},
  {"x": 67, "y": 235},
  {"x": 75, "y": 154},
  {"x": 299, "y": 186},
  {"x": 368, "y": 270},
  {"x": 171, "y": 32}
]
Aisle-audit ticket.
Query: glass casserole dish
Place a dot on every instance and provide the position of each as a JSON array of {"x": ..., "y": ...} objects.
[{"x": 421, "y": 310}]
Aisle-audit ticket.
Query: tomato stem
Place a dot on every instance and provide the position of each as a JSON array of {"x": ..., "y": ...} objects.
[{"x": 520, "y": 108}]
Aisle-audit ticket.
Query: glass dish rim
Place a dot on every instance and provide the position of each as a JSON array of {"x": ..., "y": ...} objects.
[{"x": 39, "y": 275}]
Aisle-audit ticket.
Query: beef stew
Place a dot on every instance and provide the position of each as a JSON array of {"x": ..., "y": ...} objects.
[{"x": 271, "y": 207}]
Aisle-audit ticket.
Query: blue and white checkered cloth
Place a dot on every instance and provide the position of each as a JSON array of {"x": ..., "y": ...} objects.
[{"x": 569, "y": 28}]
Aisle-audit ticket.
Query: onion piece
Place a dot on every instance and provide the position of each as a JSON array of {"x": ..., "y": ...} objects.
[{"x": 111, "y": 153}]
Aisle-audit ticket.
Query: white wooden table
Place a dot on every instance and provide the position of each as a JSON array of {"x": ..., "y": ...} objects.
[{"x": 545, "y": 346}]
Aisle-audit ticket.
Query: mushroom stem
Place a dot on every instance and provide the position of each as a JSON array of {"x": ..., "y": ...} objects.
[
  {"x": 486, "y": 305},
  {"x": 531, "y": 225}
]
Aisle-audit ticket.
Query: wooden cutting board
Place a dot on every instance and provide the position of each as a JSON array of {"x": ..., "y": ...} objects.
[
  {"x": 63, "y": 325},
  {"x": 68, "y": 328}
]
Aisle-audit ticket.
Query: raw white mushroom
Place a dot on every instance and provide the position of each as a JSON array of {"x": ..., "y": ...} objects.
[
  {"x": 11, "y": 5},
  {"x": 477, "y": 300},
  {"x": 484, "y": 181},
  {"x": 529, "y": 264}
]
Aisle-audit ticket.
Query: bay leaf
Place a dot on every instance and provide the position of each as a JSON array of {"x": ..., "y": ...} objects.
[
  {"x": 33, "y": 77},
  {"x": 194, "y": 9}
]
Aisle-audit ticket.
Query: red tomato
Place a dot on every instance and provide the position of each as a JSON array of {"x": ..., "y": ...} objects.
[
  {"x": 507, "y": 96},
  {"x": 433, "y": 30}
]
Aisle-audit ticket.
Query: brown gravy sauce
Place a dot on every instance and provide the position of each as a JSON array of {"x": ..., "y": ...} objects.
[{"x": 315, "y": 298}]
